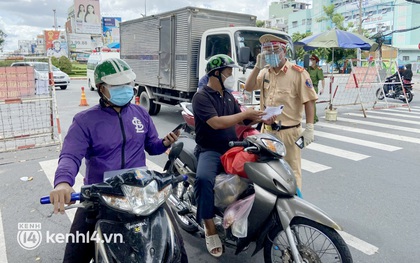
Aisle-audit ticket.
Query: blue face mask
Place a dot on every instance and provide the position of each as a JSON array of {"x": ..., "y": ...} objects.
[
  {"x": 272, "y": 59},
  {"x": 121, "y": 95}
]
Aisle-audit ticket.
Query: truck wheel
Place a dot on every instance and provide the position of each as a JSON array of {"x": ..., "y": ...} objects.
[
  {"x": 90, "y": 85},
  {"x": 149, "y": 104}
]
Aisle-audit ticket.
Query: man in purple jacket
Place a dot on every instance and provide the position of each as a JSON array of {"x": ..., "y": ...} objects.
[{"x": 110, "y": 136}]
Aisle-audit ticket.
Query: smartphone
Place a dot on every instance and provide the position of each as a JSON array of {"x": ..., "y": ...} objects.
[
  {"x": 178, "y": 127},
  {"x": 300, "y": 142}
]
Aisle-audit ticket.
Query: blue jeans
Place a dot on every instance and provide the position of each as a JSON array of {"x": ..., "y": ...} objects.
[{"x": 209, "y": 165}]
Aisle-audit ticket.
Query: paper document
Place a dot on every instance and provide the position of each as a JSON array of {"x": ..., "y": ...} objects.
[{"x": 271, "y": 111}]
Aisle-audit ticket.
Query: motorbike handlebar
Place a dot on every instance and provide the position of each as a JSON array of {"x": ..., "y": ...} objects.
[
  {"x": 238, "y": 143},
  {"x": 180, "y": 178},
  {"x": 46, "y": 199}
]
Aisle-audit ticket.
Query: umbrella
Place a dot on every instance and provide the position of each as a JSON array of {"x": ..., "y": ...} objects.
[{"x": 336, "y": 38}]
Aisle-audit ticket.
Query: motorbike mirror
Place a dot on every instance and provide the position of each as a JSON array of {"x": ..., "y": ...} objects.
[{"x": 173, "y": 154}]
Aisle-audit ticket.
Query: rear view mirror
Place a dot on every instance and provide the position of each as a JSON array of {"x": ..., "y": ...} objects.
[{"x": 243, "y": 55}]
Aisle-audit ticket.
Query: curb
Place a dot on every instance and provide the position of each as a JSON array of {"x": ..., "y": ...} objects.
[{"x": 78, "y": 78}]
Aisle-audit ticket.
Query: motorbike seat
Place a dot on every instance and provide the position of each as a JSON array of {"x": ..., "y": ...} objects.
[{"x": 187, "y": 154}]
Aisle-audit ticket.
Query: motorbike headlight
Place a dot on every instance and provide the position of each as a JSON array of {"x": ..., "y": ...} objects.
[
  {"x": 139, "y": 200},
  {"x": 274, "y": 146}
]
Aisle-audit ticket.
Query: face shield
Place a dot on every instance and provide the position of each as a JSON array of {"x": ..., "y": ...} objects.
[{"x": 273, "y": 53}]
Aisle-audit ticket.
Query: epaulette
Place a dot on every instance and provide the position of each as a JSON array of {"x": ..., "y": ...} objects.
[{"x": 298, "y": 68}]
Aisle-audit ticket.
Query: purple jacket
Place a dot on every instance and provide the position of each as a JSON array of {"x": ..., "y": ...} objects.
[{"x": 108, "y": 141}]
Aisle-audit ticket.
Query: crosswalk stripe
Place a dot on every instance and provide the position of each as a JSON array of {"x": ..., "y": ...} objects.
[
  {"x": 313, "y": 167},
  {"x": 405, "y": 114},
  {"x": 358, "y": 243},
  {"x": 387, "y": 119},
  {"x": 337, "y": 152},
  {"x": 376, "y": 145},
  {"x": 382, "y": 125},
  {"x": 406, "y": 110},
  {"x": 369, "y": 132},
  {"x": 3, "y": 254}
]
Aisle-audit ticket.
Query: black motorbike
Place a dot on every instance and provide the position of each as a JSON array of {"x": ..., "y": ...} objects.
[
  {"x": 392, "y": 89},
  {"x": 288, "y": 228},
  {"x": 134, "y": 224}
]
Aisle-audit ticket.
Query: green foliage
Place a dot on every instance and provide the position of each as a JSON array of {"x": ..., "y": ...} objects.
[
  {"x": 335, "y": 18},
  {"x": 260, "y": 23},
  {"x": 299, "y": 52},
  {"x": 54, "y": 61},
  {"x": 65, "y": 65}
]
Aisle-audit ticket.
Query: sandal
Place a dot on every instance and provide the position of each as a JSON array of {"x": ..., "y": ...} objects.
[{"x": 213, "y": 242}]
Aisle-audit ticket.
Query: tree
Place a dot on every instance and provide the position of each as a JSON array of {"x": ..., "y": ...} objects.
[
  {"x": 260, "y": 23},
  {"x": 2, "y": 39},
  {"x": 65, "y": 64}
]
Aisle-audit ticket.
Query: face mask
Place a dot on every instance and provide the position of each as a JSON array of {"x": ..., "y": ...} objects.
[
  {"x": 272, "y": 59},
  {"x": 121, "y": 95},
  {"x": 229, "y": 82},
  {"x": 311, "y": 63}
]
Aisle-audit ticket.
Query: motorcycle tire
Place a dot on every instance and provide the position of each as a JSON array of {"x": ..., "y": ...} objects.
[
  {"x": 182, "y": 219},
  {"x": 315, "y": 243},
  {"x": 380, "y": 94},
  {"x": 409, "y": 96}
]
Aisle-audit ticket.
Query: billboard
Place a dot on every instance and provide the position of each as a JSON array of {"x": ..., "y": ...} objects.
[
  {"x": 55, "y": 43},
  {"x": 87, "y": 16},
  {"x": 79, "y": 42},
  {"x": 111, "y": 31}
]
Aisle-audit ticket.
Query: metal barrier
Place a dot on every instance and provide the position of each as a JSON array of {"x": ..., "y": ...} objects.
[{"x": 28, "y": 108}]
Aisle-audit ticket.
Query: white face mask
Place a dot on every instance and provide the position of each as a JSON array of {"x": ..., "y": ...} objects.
[
  {"x": 229, "y": 82},
  {"x": 311, "y": 63}
]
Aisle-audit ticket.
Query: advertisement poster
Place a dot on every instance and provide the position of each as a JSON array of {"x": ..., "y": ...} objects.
[
  {"x": 88, "y": 16},
  {"x": 55, "y": 43},
  {"x": 111, "y": 31},
  {"x": 79, "y": 42}
]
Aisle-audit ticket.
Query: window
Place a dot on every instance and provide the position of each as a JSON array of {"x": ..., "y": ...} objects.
[
  {"x": 303, "y": 22},
  {"x": 406, "y": 58},
  {"x": 218, "y": 44},
  {"x": 294, "y": 24},
  {"x": 418, "y": 58}
]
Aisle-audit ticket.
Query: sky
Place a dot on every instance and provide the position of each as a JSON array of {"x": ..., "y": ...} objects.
[{"x": 25, "y": 19}]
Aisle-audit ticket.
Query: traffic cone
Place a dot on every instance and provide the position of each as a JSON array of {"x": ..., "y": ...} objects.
[
  {"x": 83, "y": 101},
  {"x": 137, "y": 100}
]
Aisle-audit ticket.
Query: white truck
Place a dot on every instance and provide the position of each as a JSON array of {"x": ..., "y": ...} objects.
[{"x": 169, "y": 51}]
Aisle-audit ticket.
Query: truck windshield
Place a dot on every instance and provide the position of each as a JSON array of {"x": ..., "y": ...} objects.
[{"x": 249, "y": 38}]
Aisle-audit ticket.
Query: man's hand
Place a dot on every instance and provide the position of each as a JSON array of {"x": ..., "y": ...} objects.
[
  {"x": 61, "y": 195},
  {"x": 321, "y": 91},
  {"x": 259, "y": 63},
  {"x": 254, "y": 115},
  {"x": 308, "y": 134},
  {"x": 171, "y": 138},
  {"x": 270, "y": 120}
]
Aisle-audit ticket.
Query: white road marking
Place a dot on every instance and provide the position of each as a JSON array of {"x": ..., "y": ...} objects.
[
  {"x": 387, "y": 118},
  {"x": 400, "y": 114},
  {"x": 337, "y": 152},
  {"x": 358, "y": 244},
  {"x": 313, "y": 167},
  {"x": 380, "y": 146},
  {"x": 3, "y": 254},
  {"x": 369, "y": 132},
  {"x": 382, "y": 125}
]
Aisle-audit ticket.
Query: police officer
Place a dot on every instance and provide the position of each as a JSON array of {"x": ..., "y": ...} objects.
[
  {"x": 289, "y": 85},
  {"x": 316, "y": 75}
]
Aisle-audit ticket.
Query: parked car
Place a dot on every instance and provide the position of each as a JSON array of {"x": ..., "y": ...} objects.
[{"x": 61, "y": 79}]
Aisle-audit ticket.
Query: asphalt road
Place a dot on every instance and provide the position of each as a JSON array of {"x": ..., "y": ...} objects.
[{"x": 363, "y": 172}]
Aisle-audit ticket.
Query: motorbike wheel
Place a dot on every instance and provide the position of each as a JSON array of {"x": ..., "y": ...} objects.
[
  {"x": 409, "y": 96},
  {"x": 182, "y": 220},
  {"x": 380, "y": 94},
  {"x": 316, "y": 243}
]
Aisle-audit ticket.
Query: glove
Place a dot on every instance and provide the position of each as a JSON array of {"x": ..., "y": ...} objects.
[
  {"x": 260, "y": 63},
  {"x": 308, "y": 134}
]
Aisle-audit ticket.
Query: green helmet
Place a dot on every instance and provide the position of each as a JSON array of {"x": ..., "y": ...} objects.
[
  {"x": 114, "y": 71},
  {"x": 219, "y": 61}
]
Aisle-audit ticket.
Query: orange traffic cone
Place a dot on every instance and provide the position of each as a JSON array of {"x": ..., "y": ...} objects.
[
  {"x": 137, "y": 100},
  {"x": 83, "y": 101}
]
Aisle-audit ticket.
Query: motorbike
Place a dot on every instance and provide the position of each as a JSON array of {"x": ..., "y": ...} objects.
[
  {"x": 131, "y": 205},
  {"x": 288, "y": 228},
  {"x": 242, "y": 131},
  {"x": 392, "y": 89}
]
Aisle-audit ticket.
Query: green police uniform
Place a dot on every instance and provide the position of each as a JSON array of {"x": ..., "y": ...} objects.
[{"x": 316, "y": 75}]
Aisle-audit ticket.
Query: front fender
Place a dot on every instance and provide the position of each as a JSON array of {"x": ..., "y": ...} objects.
[{"x": 290, "y": 208}]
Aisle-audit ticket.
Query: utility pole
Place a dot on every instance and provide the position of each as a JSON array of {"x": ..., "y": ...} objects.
[{"x": 55, "y": 21}]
